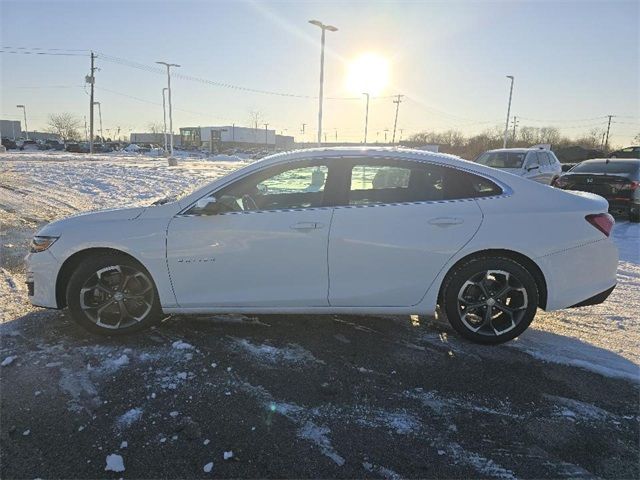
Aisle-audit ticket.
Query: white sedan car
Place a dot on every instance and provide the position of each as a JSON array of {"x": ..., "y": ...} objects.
[{"x": 346, "y": 230}]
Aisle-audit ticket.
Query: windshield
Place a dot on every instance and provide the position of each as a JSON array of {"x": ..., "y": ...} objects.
[
  {"x": 502, "y": 159},
  {"x": 611, "y": 167}
]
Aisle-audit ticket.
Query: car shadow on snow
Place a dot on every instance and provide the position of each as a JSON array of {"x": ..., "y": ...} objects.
[{"x": 304, "y": 396}]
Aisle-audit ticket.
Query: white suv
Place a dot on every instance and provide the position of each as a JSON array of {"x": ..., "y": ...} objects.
[{"x": 537, "y": 164}]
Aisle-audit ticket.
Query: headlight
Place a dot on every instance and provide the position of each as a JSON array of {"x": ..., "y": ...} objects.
[{"x": 40, "y": 244}]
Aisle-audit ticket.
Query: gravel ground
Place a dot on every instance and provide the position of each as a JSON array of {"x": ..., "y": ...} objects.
[{"x": 298, "y": 396}]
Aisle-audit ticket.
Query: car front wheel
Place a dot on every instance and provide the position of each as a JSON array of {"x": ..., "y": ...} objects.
[
  {"x": 490, "y": 300},
  {"x": 113, "y": 295}
]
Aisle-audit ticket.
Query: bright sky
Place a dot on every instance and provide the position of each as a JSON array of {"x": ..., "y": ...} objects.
[{"x": 573, "y": 62}]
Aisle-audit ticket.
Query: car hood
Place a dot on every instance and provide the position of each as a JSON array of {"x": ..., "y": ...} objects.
[{"x": 84, "y": 219}]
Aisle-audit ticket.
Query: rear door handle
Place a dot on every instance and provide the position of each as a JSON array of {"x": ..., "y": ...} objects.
[
  {"x": 306, "y": 226},
  {"x": 445, "y": 221}
]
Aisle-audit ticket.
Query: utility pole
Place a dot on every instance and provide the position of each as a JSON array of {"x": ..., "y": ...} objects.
[
  {"x": 506, "y": 126},
  {"x": 400, "y": 139},
  {"x": 515, "y": 123},
  {"x": 164, "y": 117},
  {"x": 336, "y": 134},
  {"x": 265, "y": 133},
  {"x": 366, "y": 118},
  {"x": 233, "y": 132},
  {"x": 92, "y": 81},
  {"x": 324, "y": 28},
  {"x": 397, "y": 101},
  {"x": 385, "y": 134},
  {"x": 85, "y": 128},
  {"x": 605, "y": 146}
]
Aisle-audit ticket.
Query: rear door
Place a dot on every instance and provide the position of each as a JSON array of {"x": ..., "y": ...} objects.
[{"x": 395, "y": 228}]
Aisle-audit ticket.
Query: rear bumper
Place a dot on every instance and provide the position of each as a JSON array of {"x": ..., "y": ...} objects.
[
  {"x": 579, "y": 273},
  {"x": 596, "y": 299}
]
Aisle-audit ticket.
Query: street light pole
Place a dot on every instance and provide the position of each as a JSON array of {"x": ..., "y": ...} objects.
[
  {"x": 164, "y": 117},
  {"x": 100, "y": 117},
  {"x": 366, "y": 118},
  {"x": 26, "y": 128},
  {"x": 324, "y": 28},
  {"x": 169, "y": 65},
  {"x": 506, "y": 126}
]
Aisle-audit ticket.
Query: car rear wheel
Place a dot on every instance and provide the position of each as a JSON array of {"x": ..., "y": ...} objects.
[
  {"x": 113, "y": 295},
  {"x": 490, "y": 300}
]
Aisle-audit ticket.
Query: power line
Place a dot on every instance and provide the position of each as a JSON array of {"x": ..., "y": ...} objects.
[
  {"x": 43, "y": 53},
  {"x": 47, "y": 49}
]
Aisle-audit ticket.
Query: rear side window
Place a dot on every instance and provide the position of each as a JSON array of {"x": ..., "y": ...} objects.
[
  {"x": 381, "y": 182},
  {"x": 543, "y": 158}
]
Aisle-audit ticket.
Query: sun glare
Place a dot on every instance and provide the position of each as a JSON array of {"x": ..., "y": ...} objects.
[{"x": 369, "y": 73}]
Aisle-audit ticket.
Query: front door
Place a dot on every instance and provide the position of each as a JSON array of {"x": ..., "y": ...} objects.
[{"x": 261, "y": 243}]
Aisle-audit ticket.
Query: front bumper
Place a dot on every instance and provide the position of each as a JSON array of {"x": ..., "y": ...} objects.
[{"x": 42, "y": 272}]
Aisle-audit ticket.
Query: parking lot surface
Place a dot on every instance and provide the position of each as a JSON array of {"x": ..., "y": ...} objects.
[{"x": 300, "y": 396}]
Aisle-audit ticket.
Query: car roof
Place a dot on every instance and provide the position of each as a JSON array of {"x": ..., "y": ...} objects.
[
  {"x": 519, "y": 150},
  {"x": 611, "y": 160},
  {"x": 365, "y": 152}
]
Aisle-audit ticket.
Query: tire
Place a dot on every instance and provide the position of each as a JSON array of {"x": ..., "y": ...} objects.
[
  {"x": 113, "y": 295},
  {"x": 506, "y": 313}
]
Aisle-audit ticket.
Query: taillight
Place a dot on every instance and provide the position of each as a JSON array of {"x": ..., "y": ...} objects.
[
  {"x": 559, "y": 182},
  {"x": 630, "y": 186},
  {"x": 602, "y": 221}
]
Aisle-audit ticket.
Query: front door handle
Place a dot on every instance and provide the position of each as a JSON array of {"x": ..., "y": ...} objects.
[
  {"x": 445, "y": 221},
  {"x": 305, "y": 226}
]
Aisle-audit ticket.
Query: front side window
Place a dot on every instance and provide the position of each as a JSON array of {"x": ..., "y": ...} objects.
[
  {"x": 502, "y": 159},
  {"x": 277, "y": 188}
]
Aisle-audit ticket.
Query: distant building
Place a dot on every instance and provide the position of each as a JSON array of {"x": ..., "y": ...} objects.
[
  {"x": 44, "y": 136},
  {"x": 10, "y": 129},
  {"x": 154, "y": 138},
  {"x": 212, "y": 138},
  {"x": 285, "y": 142}
]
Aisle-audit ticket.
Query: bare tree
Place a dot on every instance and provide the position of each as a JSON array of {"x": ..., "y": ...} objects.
[
  {"x": 157, "y": 129},
  {"x": 64, "y": 124},
  {"x": 255, "y": 119}
]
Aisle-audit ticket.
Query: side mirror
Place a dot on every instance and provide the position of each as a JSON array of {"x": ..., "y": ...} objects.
[
  {"x": 262, "y": 188},
  {"x": 204, "y": 202}
]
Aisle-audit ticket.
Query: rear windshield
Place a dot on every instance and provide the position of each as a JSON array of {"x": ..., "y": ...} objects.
[
  {"x": 502, "y": 159},
  {"x": 612, "y": 167}
]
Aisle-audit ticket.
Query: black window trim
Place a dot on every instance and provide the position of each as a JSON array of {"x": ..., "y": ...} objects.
[{"x": 328, "y": 203}]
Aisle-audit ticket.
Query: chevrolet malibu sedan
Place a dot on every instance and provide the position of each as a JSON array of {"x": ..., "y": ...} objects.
[{"x": 341, "y": 231}]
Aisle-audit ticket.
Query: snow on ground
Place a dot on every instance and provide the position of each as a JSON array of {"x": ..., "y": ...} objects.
[{"x": 39, "y": 187}]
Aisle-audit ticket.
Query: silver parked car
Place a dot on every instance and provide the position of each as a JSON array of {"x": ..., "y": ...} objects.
[{"x": 537, "y": 164}]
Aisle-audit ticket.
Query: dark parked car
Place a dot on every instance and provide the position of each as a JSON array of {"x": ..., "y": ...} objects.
[
  {"x": 629, "y": 152},
  {"x": 617, "y": 180},
  {"x": 29, "y": 145},
  {"x": 54, "y": 145},
  {"x": 77, "y": 147},
  {"x": 9, "y": 144}
]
